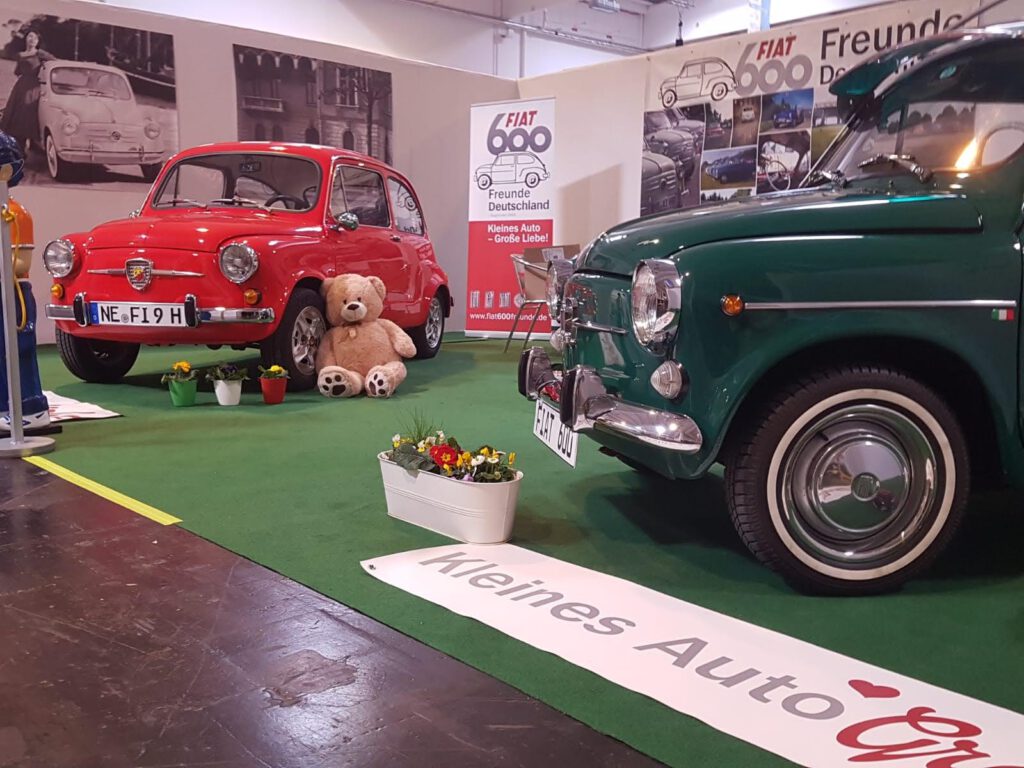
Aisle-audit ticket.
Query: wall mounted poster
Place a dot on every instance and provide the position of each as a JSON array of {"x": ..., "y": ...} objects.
[
  {"x": 94, "y": 104},
  {"x": 751, "y": 114},
  {"x": 512, "y": 207},
  {"x": 287, "y": 97}
]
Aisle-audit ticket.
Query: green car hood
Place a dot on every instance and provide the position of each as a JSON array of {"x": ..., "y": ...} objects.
[{"x": 789, "y": 214}]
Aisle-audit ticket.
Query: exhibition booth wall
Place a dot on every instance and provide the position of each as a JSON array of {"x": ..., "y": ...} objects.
[
  {"x": 429, "y": 128},
  {"x": 465, "y": 38},
  {"x": 600, "y": 113}
]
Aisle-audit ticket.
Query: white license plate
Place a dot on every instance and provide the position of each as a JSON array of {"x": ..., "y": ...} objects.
[
  {"x": 554, "y": 434},
  {"x": 136, "y": 313}
]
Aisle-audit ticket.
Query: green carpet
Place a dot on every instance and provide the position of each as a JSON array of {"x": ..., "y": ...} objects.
[{"x": 297, "y": 488}]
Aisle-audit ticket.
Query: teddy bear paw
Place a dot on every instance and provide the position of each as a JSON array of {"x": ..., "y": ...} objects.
[
  {"x": 378, "y": 385},
  {"x": 334, "y": 383}
]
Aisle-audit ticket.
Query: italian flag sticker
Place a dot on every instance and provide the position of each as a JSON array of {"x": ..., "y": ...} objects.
[{"x": 1002, "y": 314}]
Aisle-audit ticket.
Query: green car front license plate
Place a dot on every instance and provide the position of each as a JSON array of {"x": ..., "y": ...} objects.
[{"x": 550, "y": 430}]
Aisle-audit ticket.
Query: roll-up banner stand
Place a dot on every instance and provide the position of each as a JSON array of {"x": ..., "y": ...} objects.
[{"x": 512, "y": 210}]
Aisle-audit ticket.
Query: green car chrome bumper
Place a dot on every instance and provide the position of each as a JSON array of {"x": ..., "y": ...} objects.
[{"x": 584, "y": 404}]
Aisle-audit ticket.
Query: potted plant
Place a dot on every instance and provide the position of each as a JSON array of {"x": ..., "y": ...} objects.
[
  {"x": 182, "y": 383},
  {"x": 227, "y": 381},
  {"x": 273, "y": 381},
  {"x": 432, "y": 481}
]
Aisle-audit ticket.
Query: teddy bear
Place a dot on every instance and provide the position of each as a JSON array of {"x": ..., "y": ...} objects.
[{"x": 360, "y": 351}]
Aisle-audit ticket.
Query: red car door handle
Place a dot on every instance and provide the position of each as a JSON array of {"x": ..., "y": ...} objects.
[{"x": 396, "y": 238}]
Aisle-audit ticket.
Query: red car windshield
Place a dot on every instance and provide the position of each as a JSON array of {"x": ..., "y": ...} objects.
[{"x": 264, "y": 180}]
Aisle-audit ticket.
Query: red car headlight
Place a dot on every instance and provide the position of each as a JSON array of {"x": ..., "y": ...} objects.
[
  {"x": 238, "y": 262},
  {"x": 59, "y": 258}
]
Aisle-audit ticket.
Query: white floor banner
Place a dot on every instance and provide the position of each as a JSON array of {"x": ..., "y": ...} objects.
[
  {"x": 68, "y": 409},
  {"x": 800, "y": 701}
]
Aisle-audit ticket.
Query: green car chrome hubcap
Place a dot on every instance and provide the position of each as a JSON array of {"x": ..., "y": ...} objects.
[{"x": 859, "y": 486}]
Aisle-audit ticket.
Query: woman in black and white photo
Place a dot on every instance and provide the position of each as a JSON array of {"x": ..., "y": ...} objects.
[{"x": 21, "y": 113}]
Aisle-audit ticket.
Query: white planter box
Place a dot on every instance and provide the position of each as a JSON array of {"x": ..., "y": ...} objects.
[
  {"x": 476, "y": 513},
  {"x": 228, "y": 392}
]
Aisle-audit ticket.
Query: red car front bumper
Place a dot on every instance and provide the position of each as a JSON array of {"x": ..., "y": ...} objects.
[{"x": 200, "y": 324}]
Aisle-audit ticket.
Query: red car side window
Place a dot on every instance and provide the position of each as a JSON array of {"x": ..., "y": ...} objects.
[
  {"x": 408, "y": 217},
  {"x": 365, "y": 196}
]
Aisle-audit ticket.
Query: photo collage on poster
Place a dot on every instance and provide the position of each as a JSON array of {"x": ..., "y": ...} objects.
[
  {"x": 699, "y": 149},
  {"x": 91, "y": 104},
  {"x": 736, "y": 117},
  {"x": 95, "y": 105},
  {"x": 287, "y": 97}
]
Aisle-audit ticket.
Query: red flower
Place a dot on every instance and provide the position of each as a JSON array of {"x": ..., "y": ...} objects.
[{"x": 444, "y": 454}]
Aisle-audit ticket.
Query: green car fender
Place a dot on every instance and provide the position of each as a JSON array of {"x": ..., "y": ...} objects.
[{"x": 874, "y": 295}]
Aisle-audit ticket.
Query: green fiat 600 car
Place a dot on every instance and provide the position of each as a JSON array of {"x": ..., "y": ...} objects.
[{"x": 849, "y": 351}]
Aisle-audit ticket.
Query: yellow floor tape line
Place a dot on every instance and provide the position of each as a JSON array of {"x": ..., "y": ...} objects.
[{"x": 109, "y": 494}]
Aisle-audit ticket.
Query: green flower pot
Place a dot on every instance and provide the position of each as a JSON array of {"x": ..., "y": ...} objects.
[{"x": 183, "y": 392}]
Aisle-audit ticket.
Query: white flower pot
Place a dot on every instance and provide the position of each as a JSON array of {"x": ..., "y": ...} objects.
[
  {"x": 228, "y": 392},
  {"x": 476, "y": 513}
]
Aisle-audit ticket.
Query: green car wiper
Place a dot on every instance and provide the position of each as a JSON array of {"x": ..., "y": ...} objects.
[
  {"x": 907, "y": 162},
  {"x": 835, "y": 178}
]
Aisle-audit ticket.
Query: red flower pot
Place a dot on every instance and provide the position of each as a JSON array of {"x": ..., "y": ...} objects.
[{"x": 273, "y": 390}]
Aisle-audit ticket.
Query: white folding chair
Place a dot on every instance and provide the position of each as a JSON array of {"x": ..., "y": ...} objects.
[{"x": 533, "y": 292}]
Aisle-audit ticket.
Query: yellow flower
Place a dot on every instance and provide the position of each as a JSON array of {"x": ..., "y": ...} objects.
[
  {"x": 182, "y": 366},
  {"x": 485, "y": 451},
  {"x": 273, "y": 369},
  {"x": 512, "y": 458}
]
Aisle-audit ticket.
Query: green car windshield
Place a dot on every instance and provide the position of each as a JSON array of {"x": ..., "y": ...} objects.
[{"x": 958, "y": 114}]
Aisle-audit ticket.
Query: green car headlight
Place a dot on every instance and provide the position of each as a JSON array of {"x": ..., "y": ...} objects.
[
  {"x": 559, "y": 272},
  {"x": 656, "y": 297}
]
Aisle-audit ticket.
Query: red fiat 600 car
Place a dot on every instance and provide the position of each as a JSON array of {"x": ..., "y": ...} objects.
[{"x": 230, "y": 248}]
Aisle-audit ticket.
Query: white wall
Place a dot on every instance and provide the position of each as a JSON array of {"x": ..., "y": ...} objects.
[
  {"x": 408, "y": 31},
  {"x": 724, "y": 17},
  {"x": 721, "y": 17},
  {"x": 599, "y": 113},
  {"x": 544, "y": 55},
  {"x": 431, "y": 130}
]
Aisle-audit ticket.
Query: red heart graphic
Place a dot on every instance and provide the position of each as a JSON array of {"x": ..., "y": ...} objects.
[{"x": 872, "y": 691}]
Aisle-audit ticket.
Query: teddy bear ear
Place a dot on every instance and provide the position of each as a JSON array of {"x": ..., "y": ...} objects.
[
  {"x": 325, "y": 286},
  {"x": 378, "y": 285}
]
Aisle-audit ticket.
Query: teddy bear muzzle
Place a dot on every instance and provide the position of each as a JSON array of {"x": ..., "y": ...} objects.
[{"x": 353, "y": 312}]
